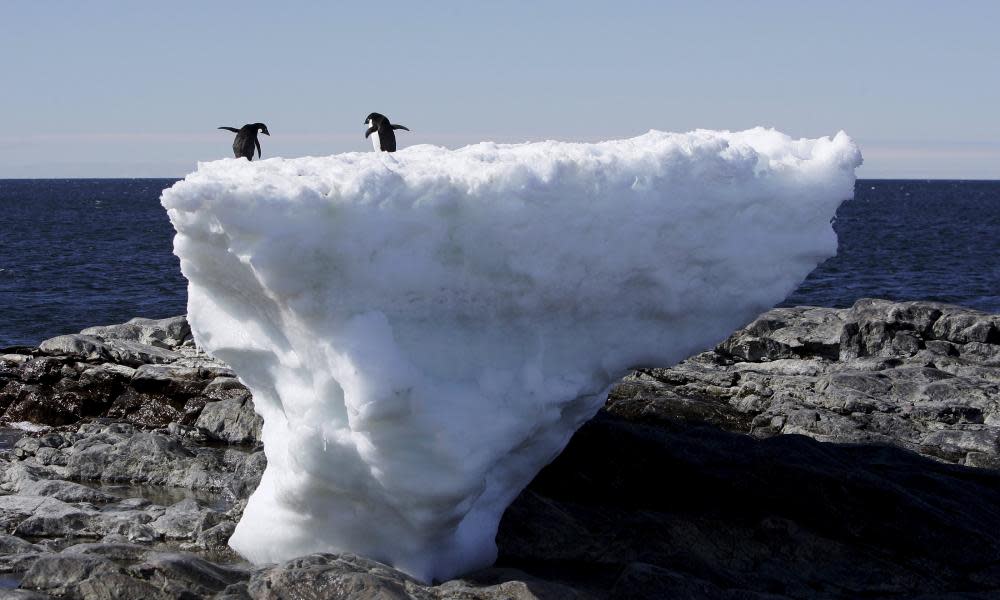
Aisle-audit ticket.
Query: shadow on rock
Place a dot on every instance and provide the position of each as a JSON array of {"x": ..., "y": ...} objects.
[{"x": 669, "y": 510}]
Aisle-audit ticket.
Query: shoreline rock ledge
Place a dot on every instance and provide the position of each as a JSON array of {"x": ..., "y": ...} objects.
[
  {"x": 922, "y": 376},
  {"x": 815, "y": 453}
]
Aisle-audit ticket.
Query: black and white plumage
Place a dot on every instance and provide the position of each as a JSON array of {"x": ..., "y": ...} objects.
[
  {"x": 381, "y": 132},
  {"x": 246, "y": 139}
]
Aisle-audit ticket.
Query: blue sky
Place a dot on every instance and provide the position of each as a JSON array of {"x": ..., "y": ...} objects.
[{"x": 130, "y": 89}]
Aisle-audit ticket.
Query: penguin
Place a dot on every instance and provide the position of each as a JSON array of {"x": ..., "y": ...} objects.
[
  {"x": 380, "y": 130},
  {"x": 246, "y": 139}
]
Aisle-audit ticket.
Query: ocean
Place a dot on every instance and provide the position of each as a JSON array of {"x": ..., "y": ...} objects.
[{"x": 81, "y": 252}]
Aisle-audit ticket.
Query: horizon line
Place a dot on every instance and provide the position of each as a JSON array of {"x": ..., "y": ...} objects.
[{"x": 961, "y": 179}]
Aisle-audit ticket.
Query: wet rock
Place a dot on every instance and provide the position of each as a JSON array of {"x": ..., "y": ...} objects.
[
  {"x": 11, "y": 364},
  {"x": 43, "y": 370},
  {"x": 169, "y": 380},
  {"x": 191, "y": 411},
  {"x": 122, "y": 453},
  {"x": 146, "y": 409},
  {"x": 40, "y": 516},
  {"x": 43, "y": 405},
  {"x": 66, "y": 491},
  {"x": 185, "y": 520},
  {"x": 145, "y": 371}
]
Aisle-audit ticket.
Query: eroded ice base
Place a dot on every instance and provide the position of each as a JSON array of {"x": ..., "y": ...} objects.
[{"x": 423, "y": 332}]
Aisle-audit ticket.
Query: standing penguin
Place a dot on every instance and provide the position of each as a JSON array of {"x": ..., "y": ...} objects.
[
  {"x": 380, "y": 130},
  {"x": 246, "y": 139}
]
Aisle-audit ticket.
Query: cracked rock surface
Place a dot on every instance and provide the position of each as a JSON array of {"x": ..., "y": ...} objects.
[
  {"x": 815, "y": 453},
  {"x": 917, "y": 375}
]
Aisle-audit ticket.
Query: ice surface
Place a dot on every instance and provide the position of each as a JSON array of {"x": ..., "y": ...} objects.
[{"x": 422, "y": 332}]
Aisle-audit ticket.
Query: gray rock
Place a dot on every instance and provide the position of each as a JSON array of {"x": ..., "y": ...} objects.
[
  {"x": 185, "y": 520},
  {"x": 922, "y": 376},
  {"x": 175, "y": 381},
  {"x": 226, "y": 388},
  {"x": 91, "y": 571},
  {"x": 217, "y": 536},
  {"x": 164, "y": 333},
  {"x": 146, "y": 372},
  {"x": 231, "y": 420},
  {"x": 66, "y": 491},
  {"x": 39, "y": 516},
  {"x": 675, "y": 501},
  {"x": 86, "y": 347},
  {"x": 94, "y": 348},
  {"x": 22, "y": 595},
  {"x": 184, "y": 572},
  {"x": 147, "y": 409},
  {"x": 137, "y": 353},
  {"x": 73, "y": 575},
  {"x": 346, "y": 576},
  {"x": 118, "y": 453},
  {"x": 10, "y": 544}
]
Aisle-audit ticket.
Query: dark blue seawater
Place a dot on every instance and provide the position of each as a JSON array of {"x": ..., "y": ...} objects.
[
  {"x": 913, "y": 240},
  {"x": 82, "y": 252},
  {"x": 76, "y": 253}
]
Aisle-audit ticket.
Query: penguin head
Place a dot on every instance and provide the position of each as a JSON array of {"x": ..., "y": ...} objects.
[
  {"x": 374, "y": 119},
  {"x": 261, "y": 128}
]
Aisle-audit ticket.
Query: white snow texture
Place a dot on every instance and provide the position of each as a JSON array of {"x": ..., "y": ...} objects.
[{"x": 422, "y": 332}]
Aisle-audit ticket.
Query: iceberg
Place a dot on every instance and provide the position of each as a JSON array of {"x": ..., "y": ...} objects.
[{"x": 422, "y": 332}]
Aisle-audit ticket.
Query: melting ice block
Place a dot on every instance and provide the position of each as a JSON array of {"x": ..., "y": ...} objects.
[{"x": 422, "y": 332}]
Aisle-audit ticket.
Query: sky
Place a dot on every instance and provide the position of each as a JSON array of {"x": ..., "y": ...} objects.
[{"x": 137, "y": 89}]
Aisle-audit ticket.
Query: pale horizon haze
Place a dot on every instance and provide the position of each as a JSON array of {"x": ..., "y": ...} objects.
[{"x": 116, "y": 89}]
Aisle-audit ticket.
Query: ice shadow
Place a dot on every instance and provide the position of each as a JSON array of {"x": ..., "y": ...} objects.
[{"x": 633, "y": 510}]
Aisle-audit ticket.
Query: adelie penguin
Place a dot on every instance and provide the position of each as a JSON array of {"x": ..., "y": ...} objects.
[
  {"x": 380, "y": 130},
  {"x": 246, "y": 139}
]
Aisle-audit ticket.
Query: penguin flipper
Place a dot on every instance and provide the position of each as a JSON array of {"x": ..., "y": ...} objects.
[
  {"x": 256, "y": 143},
  {"x": 400, "y": 127},
  {"x": 233, "y": 129},
  {"x": 370, "y": 131}
]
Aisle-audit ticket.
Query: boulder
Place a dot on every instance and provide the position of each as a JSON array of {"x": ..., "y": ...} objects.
[
  {"x": 85, "y": 347},
  {"x": 163, "y": 333},
  {"x": 232, "y": 421}
]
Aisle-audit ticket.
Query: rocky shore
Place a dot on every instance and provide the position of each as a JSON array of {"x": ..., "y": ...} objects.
[{"x": 816, "y": 453}]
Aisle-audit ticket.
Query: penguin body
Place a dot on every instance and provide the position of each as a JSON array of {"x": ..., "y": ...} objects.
[
  {"x": 246, "y": 139},
  {"x": 380, "y": 130}
]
